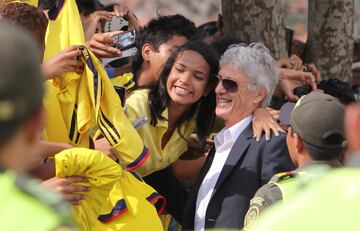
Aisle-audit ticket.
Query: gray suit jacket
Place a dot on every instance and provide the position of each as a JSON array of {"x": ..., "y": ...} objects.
[{"x": 248, "y": 166}]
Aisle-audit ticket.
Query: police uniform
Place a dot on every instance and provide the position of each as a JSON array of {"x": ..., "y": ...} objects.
[
  {"x": 26, "y": 206},
  {"x": 331, "y": 203},
  {"x": 283, "y": 186}
]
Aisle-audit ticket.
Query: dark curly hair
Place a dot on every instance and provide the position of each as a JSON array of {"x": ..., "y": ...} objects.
[
  {"x": 27, "y": 16},
  {"x": 204, "y": 108},
  {"x": 158, "y": 31}
]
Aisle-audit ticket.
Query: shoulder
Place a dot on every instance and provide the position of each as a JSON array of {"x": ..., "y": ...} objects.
[
  {"x": 284, "y": 176},
  {"x": 265, "y": 196},
  {"x": 49, "y": 199},
  {"x": 138, "y": 102},
  {"x": 41, "y": 209},
  {"x": 137, "y": 94}
]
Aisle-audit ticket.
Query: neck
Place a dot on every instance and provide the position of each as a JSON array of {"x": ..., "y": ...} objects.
[
  {"x": 174, "y": 113},
  {"x": 230, "y": 123},
  {"x": 144, "y": 76},
  {"x": 304, "y": 158}
]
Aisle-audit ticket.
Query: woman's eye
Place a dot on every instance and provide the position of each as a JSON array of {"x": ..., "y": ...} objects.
[
  {"x": 199, "y": 77},
  {"x": 179, "y": 69}
]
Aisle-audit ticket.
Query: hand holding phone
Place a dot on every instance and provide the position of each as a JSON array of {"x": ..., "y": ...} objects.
[{"x": 125, "y": 41}]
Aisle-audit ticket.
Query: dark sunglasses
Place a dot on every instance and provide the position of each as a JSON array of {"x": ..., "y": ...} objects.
[{"x": 228, "y": 84}]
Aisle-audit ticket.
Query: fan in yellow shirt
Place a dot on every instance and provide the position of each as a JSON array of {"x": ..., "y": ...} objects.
[
  {"x": 182, "y": 102},
  {"x": 88, "y": 101}
]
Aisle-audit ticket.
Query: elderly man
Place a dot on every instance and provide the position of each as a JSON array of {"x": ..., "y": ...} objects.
[{"x": 238, "y": 165}]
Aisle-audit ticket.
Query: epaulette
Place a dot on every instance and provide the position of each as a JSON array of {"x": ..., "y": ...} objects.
[
  {"x": 54, "y": 201},
  {"x": 284, "y": 176}
]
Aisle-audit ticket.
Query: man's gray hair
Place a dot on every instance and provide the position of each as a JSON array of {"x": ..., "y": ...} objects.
[{"x": 256, "y": 63}]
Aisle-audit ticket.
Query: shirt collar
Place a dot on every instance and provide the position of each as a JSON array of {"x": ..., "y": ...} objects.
[
  {"x": 233, "y": 132},
  {"x": 163, "y": 123}
]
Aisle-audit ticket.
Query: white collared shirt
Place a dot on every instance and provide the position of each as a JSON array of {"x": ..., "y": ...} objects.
[{"x": 224, "y": 141}]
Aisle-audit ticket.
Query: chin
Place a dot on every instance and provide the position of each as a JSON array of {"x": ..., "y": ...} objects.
[{"x": 222, "y": 113}]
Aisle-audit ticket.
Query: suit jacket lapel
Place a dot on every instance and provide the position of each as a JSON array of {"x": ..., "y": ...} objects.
[{"x": 236, "y": 152}]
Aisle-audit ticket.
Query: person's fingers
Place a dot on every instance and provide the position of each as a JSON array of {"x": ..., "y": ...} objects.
[
  {"x": 74, "y": 179},
  {"x": 117, "y": 10},
  {"x": 74, "y": 199},
  {"x": 73, "y": 53},
  {"x": 107, "y": 53},
  {"x": 267, "y": 131},
  {"x": 275, "y": 114},
  {"x": 75, "y": 188},
  {"x": 310, "y": 79},
  {"x": 106, "y": 38},
  {"x": 104, "y": 50},
  {"x": 257, "y": 133},
  {"x": 275, "y": 128},
  {"x": 71, "y": 48},
  {"x": 291, "y": 97}
]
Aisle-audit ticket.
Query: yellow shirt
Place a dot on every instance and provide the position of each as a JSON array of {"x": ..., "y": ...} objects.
[
  {"x": 87, "y": 101},
  {"x": 137, "y": 106},
  {"x": 117, "y": 200}
]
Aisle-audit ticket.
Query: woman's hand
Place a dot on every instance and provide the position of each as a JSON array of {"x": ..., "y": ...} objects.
[{"x": 263, "y": 121}]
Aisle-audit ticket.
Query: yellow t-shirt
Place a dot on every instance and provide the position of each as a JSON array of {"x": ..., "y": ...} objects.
[
  {"x": 137, "y": 106},
  {"x": 117, "y": 200}
]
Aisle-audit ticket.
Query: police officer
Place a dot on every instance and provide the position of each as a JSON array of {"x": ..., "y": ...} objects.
[
  {"x": 315, "y": 138},
  {"x": 24, "y": 206}
]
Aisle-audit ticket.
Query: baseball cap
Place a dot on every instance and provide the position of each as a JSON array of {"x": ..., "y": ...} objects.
[
  {"x": 317, "y": 118},
  {"x": 21, "y": 89}
]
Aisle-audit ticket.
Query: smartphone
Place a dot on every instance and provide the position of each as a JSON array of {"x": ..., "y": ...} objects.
[
  {"x": 114, "y": 24},
  {"x": 125, "y": 41},
  {"x": 302, "y": 90}
]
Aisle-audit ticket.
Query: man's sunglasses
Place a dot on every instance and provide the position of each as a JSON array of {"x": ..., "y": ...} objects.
[{"x": 228, "y": 84}]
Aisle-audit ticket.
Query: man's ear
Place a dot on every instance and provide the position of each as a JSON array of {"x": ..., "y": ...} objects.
[
  {"x": 261, "y": 94},
  {"x": 34, "y": 126},
  {"x": 299, "y": 143},
  {"x": 146, "y": 51}
]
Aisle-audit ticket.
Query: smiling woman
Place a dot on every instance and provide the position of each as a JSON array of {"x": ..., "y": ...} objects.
[{"x": 180, "y": 103}]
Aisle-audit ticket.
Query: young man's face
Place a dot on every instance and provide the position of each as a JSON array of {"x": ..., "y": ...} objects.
[{"x": 160, "y": 57}]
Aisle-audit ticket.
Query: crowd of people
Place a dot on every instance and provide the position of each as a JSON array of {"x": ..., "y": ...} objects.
[{"x": 188, "y": 129}]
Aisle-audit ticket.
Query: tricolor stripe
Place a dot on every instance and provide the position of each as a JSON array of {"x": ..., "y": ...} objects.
[
  {"x": 120, "y": 208},
  {"x": 139, "y": 161},
  {"x": 158, "y": 200}
]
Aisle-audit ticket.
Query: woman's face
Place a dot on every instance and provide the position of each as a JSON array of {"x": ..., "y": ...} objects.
[{"x": 188, "y": 78}]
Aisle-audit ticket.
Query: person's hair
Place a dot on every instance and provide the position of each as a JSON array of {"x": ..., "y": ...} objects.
[
  {"x": 319, "y": 153},
  {"x": 27, "y": 16},
  {"x": 158, "y": 31},
  {"x": 20, "y": 80},
  {"x": 323, "y": 154},
  {"x": 208, "y": 28},
  {"x": 256, "y": 63},
  {"x": 86, "y": 7},
  {"x": 204, "y": 108},
  {"x": 46, "y": 4},
  {"x": 223, "y": 43}
]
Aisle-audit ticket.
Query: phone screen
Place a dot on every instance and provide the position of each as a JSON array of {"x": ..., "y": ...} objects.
[{"x": 125, "y": 40}]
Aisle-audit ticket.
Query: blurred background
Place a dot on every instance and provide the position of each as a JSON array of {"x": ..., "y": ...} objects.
[{"x": 201, "y": 11}]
